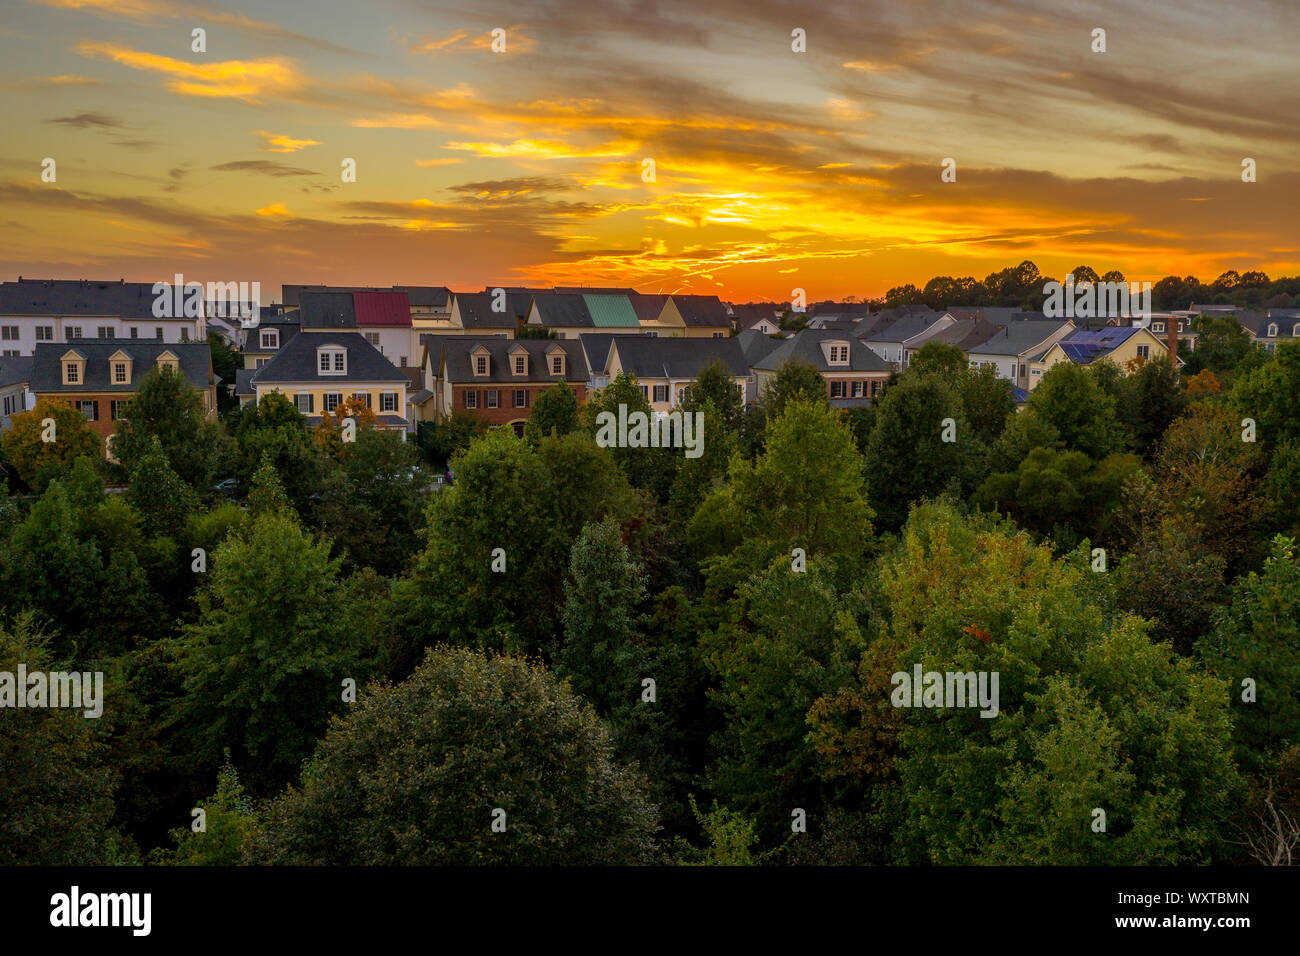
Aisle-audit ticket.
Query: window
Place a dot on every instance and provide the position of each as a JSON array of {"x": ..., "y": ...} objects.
[
  {"x": 661, "y": 393},
  {"x": 185, "y": 334},
  {"x": 9, "y": 333},
  {"x": 859, "y": 389},
  {"x": 480, "y": 365},
  {"x": 875, "y": 389},
  {"x": 491, "y": 397},
  {"x": 332, "y": 361},
  {"x": 270, "y": 339},
  {"x": 333, "y": 400},
  {"x": 838, "y": 390},
  {"x": 44, "y": 333},
  {"x": 90, "y": 409},
  {"x": 839, "y": 354},
  {"x": 645, "y": 392},
  {"x": 521, "y": 398},
  {"x": 135, "y": 332},
  {"x": 116, "y": 408},
  {"x": 8, "y": 406},
  {"x": 119, "y": 373},
  {"x": 1144, "y": 351},
  {"x": 1157, "y": 326},
  {"x": 104, "y": 331},
  {"x": 11, "y": 352},
  {"x": 305, "y": 402},
  {"x": 71, "y": 332},
  {"x": 388, "y": 401},
  {"x": 373, "y": 338},
  {"x": 719, "y": 335},
  {"x": 557, "y": 364},
  {"x": 471, "y": 399},
  {"x": 521, "y": 364},
  {"x": 260, "y": 362},
  {"x": 1295, "y": 331},
  {"x": 72, "y": 373},
  {"x": 1272, "y": 330},
  {"x": 403, "y": 361},
  {"x": 157, "y": 332}
]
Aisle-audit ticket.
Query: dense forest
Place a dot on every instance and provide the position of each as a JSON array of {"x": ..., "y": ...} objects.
[{"x": 578, "y": 654}]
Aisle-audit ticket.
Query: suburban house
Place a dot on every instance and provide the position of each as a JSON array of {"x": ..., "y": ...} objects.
[
  {"x": 699, "y": 316},
  {"x": 566, "y": 315},
  {"x": 473, "y": 313},
  {"x": 852, "y": 371},
  {"x": 1121, "y": 344},
  {"x": 665, "y": 367},
  {"x": 964, "y": 334},
  {"x": 908, "y": 332},
  {"x": 319, "y": 370},
  {"x": 263, "y": 340},
  {"x": 98, "y": 377},
  {"x": 15, "y": 387},
  {"x": 383, "y": 318},
  {"x": 33, "y": 311},
  {"x": 499, "y": 379},
  {"x": 1271, "y": 327},
  {"x": 1011, "y": 347},
  {"x": 763, "y": 318},
  {"x": 649, "y": 309}
]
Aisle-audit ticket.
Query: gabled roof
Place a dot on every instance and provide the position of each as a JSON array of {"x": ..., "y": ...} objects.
[
  {"x": 648, "y": 357},
  {"x": 296, "y": 361},
  {"x": 904, "y": 327},
  {"x": 647, "y": 306},
  {"x": 15, "y": 369},
  {"x": 611, "y": 311},
  {"x": 1017, "y": 338},
  {"x": 327, "y": 310},
  {"x": 195, "y": 359},
  {"x": 382, "y": 308},
  {"x": 426, "y": 296},
  {"x": 244, "y": 381},
  {"x": 476, "y": 310},
  {"x": 701, "y": 310},
  {"x": 966, "y": 333},
  {"x": 755, "y": 345},
  {"x": 1086, "y": 345},
  {"x": 456, "y": 352},
  {"x": 562, "y": 310},
  {"x": 806, "y": 346},
  {"x": 591, "y": 290},
  {"x": 1258, "y": 322},
  {"x": 78, "y": 297}
]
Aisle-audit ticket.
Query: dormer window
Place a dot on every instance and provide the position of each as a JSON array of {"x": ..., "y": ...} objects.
[
  {"x": 169, "y": 360},
  {"x": 1272, "y": 330},
  {"x": 837, "y": 353},
  {"x": 270, "y": 339},
  {"x": 119, "y": 368},
  {"x": 481, "y": 363},
  {"x": 521, "y": 364},
  {"x": 1157, "y": 326},
  {"x": 332, "y": 360},
  {"x": 557, "y": 364},
  {"x": 74, "y": 367}
]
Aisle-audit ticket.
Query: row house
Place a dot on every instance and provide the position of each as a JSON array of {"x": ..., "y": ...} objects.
[
  {"x": 499, "y": 379},
  {"x": 319, "y": 370},
  {"x": 665, "y": 367},
  {"x": 383, "y": 318},
  {"x": 895, "y": 341},
  {"x": 99, "y": 377},
  {"x": 1013, "y": 346},
  {"x": 1121, "y": 344},
  {"x": 853, "y": 373},
  {"x": 273, "y": 331},
  {"x": 35, "y": 311}
]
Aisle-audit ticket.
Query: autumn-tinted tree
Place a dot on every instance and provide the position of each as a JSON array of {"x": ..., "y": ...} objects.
[{"x": 38, "y": 461}]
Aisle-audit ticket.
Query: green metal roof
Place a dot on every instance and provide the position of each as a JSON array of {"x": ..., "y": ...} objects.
[{"x": 611, "y": 311}]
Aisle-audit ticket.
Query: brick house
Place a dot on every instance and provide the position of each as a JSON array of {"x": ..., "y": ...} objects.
[
  {"x": 99, "y": 376},
  {"x": 498, "y": 379}
]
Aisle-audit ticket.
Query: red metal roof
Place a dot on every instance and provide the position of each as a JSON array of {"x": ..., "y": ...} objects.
[{"x": 381, "y": 308}]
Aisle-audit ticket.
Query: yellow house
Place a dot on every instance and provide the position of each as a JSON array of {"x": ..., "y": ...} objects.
[
  {"x": 698, "y": 316},
  {"x": 665, "y": 367},
  {"x": 1120, "y": 344}
]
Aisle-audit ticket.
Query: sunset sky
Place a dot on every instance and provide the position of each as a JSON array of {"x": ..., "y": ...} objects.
[{"x": 774, "y": 169}]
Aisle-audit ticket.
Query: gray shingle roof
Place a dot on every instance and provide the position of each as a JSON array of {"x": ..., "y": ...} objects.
[
  {"x": 648, "y": 305},
  {"x": 429, "y": 296},
  {"x": 966, "y": 334},
  {"x": 476, "y": 310},
  {"x": 327, "y": 310},
  {"x": 457, "y": 351},
  {"x": 904, "y": 327},
  {"x": 15, "y": 369},
  {"x": 701, "y": 310},
  {"x": 244, "y": 381},
  {"x": 1017, "y": 338},
  {"x": 562, "y": 310},
  {"x": 47, "y": 374},
  {"x": 806, "y": 346},
  {"x": 73, "y": 297},
  {"x": 755, "y": 345},
  {"x": 296, "y": 361},
  {"x": 650, "y": 357}
]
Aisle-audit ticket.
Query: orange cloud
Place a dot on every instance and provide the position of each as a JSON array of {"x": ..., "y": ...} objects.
[
  {"x": 276, "y": 209},
  {"x": 542, "y": 149},
  {"x": 249, "y": 80},
  {"x": 282, "y": 143}
]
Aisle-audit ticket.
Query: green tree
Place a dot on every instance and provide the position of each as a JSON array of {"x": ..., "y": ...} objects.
[
  {"x": 555, "y": 412},
  {"x": 715, "y": 385},
  {"x": 230, "y": 822},
  {"x": 157, "y": 492},
  {"x": 1152, "y": 400},
  {"x": 418, "y": 773},
  {"x": 167, "y": 408},
  {"x": 795, "y": 380}
]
